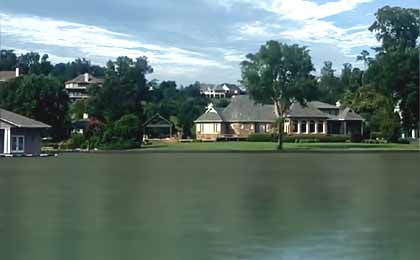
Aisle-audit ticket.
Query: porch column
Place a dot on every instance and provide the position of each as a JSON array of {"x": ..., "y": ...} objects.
[
  {"x": 316, "y": 126},
  {"x": 413, "y": 133},
  {"x": 361, "y": 129},
  {"x": 325, "y": 127},
  {"x": 307, "y": 127},
  {"x": 7, "y": 141},
  {"x": 299, "y": 126},
  {"x": 345, "y": 127}
]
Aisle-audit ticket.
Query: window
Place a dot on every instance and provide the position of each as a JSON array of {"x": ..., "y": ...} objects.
[
  {"x": 294, "y": 126},
  {"x": 303, "y": 127},
  {"x": 18, "y": 144},
  {"x": 320, "y": 127},
  {"x": 312, "y": 126}
]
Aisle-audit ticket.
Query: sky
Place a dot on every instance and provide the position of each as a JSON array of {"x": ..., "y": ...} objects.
[{"x": 190, "y": 40}]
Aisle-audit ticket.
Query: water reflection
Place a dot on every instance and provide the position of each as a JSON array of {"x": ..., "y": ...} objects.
[{"x": 211, "y": 206}]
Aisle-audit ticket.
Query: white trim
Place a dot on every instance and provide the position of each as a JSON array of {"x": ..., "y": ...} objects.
[{"x": 17, "y": 144}]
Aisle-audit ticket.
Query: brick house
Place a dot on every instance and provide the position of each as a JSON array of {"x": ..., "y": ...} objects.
[{"x": 243, "y": 117}]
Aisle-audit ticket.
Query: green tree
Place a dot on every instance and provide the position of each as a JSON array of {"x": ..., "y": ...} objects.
[
  {"x": 125, "y": 91},
  {"x": 377, "y": 109},
  {"x": 279, "y": 74},
  {"x": 8, "y": 60},
  {"x": 396, "y": 28},
  {"x": 394, "y": 71},
  {"x": 78, "y": 108},
  {"x": 351, "y": 78},
  {"x": 39, "y": 97},
  {"x": 330, "y": 87}
]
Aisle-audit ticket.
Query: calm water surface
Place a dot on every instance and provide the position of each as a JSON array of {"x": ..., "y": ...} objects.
[{"x": 211, "y": 206}]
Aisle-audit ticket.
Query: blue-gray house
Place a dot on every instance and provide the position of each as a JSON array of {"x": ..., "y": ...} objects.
[{"x": 19, "y": 134}]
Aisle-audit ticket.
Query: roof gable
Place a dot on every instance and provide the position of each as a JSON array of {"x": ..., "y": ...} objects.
[
  {"x": 81, "y": 79},
  {"x": 349, "y": 114},
  {"x": 307, "y": 110},
  {"x": 212, "y": 114},
  {"x": 244, "y": 109},
  {"x": 158, "y": 121},
  {"x": 20, "y": 121}
]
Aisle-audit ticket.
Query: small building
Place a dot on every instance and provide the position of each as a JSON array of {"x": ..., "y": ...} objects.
[
  {"x": 224, "y": 90},
  {"x": 9, "y": 75},
  {"x": 158, "y": 127},
  {"x": 77, "y": 88},
  {"x": 19, "y": 134},
  {"x": 243, "y": 117}
]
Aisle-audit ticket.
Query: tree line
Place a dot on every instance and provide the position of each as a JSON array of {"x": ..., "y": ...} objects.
[
  {"x": 281, "y": 74},
  {"x": 117, "y": 110},
  {"x": 278, "y": 74}
]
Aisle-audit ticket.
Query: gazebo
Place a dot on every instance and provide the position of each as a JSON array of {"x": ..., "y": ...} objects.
[{"x": 158, "y": 127}]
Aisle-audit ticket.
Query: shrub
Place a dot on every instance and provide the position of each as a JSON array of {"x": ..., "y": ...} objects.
[
  {"x": 403, "y": 141},
  {"x": 262, "y": 137},
  {"x": 121, "y": 145},
  {"x": 315, "y": 139},
  {"x": 76, "y": 141},
  {"x": 356, "y": 138}
]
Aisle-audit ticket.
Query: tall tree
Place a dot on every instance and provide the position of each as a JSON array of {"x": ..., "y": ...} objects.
[
  {"x": 39, "y": 97},
  {"x": 396, "y": 28},
  {"x": 8, "y": 60},
  {"x": 125, "y": 91},
  {"x": 330, "y": 86},
  {"x": 395, "y": 69},
  {"x": 279, "y": 74}
]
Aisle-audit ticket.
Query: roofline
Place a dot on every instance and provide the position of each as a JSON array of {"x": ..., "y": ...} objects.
[{"x": 24, "y": 126}]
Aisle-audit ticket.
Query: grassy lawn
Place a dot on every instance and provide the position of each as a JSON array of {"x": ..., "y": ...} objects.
[{"x": 266, "y": 146}]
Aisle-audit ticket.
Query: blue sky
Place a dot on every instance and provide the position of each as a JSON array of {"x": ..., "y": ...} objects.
[{"x": 190, "y": 40}]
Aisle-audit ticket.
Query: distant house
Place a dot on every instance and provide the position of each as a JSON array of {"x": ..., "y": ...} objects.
[
  {"x": 9, "y": 75},
  {"x": 243, "y": 117},
  {"x": 158, "y": 127},
  {"x": 77, "y": 88},
  {"x": 19, "y": 134},
  {"x": 220, "y": 91}
]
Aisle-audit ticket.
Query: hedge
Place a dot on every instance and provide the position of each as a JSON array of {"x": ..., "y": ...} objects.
[{"x": 266, "y": 137}]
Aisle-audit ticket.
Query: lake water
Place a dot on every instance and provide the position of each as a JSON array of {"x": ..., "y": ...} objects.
[{"x": 211, "y": 206}]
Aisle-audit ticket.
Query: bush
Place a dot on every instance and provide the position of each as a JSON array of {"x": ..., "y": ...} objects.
[
  {"x": 76, "y": 141},
  {"x": 121, "y": 145},
  {"x": 315, "y": 139},
  {"x": 262, "y": 137},
  {"x": 356, "y": 138},
  {"x": 267, "y": 137},
  {"x": 403, "y": 141}
]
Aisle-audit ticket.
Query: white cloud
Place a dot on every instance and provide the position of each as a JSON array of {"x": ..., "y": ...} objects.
[
  {"x": 302, "y": 10},
  {"x": 317, "y": 31},
  {"x": 305, "y": 23},
  {"x": 234, "y": 56},
  {"x": 256, "y": 29},
  {"x": 93, "y": 41}
]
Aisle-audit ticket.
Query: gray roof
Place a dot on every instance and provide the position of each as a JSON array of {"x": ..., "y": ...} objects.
[
  {"x": 322, "y": 105},
  {"x": 307, "y": 110},
  {"x": 244, "y": 109},
  {"x": 81, "y": 79},
  {"x": 210, "y": 116},
  {"x": 349, "y": 115},
  {"x": 19, "y": 120}
]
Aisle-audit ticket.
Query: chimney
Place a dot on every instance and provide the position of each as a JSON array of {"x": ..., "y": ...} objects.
[
  {"x": 338, "y": 103},
  {"x": 17, "y": 72},
  {"x": 86, "y": 77}
]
